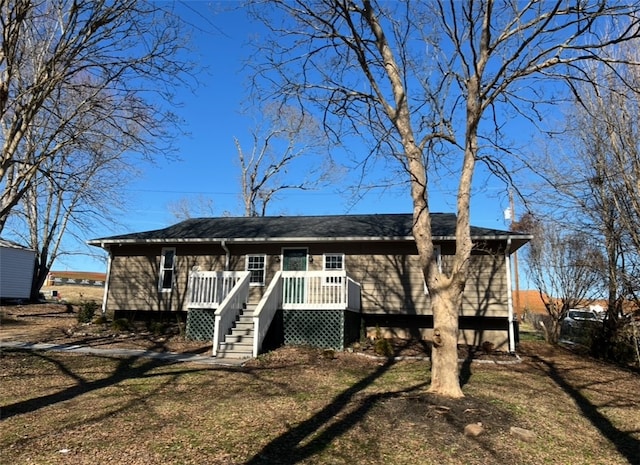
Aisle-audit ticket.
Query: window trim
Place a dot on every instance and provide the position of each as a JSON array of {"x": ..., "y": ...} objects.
[
  {"x": 263, "y": 269},
  {"x": 332, "y": 280},
  {"x": 324, "y": 261},
  {"x": 164, "y": 269}
]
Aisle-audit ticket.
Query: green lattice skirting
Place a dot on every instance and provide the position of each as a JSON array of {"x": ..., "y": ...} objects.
[
  {"x": 200, "y": 324},
  {"x": 319, "y": 328},
  {"x": 333, "y": 329}
]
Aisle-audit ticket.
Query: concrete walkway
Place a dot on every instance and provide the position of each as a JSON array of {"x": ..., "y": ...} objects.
[{"x": 168, "y": 356}]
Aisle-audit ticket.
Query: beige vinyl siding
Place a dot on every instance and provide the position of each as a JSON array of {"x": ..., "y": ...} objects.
[
  {"x": 486, "y": 292},
  {"x": 389, "y": 273},
  {"x": 133, "y": 281},
  {"x": 392, "y": 281},
  {"x": 390, "y": 284}
]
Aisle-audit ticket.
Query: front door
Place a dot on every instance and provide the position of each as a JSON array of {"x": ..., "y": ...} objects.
[
  {"x": 293, "y": 289},
  {"x": 294, "y": 260}
]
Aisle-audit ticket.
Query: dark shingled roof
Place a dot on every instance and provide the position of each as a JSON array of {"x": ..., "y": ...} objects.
[{"x": 274, "y": 228}]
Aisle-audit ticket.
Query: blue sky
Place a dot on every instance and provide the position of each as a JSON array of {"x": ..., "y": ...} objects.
[{"x": 208, "y": 159}]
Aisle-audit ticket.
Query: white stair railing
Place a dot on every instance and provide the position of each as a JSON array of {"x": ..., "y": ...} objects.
[
  {"x": 354, "y": 295},
  {"x": 230, "y": 308},
  {"x": 265, "y": 311}
]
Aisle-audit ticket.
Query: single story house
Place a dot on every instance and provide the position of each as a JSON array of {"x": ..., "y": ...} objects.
[
  {"x": 16, "y": 270},
  {"x": 252, "y": 282}
]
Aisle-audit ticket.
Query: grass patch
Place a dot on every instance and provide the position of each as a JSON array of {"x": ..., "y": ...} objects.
[
  {"x": 528, "y": 333},
  {"x": 296, "y": 406}
]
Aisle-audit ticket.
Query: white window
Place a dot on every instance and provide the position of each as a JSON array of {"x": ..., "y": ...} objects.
[
  {"x": 256, "y": 266},
  {"x": 167, "y": 269},
  {"x": 333, "y": 262}
]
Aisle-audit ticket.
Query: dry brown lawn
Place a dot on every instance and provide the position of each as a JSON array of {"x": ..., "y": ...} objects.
[{"x": 300, "y": 406}]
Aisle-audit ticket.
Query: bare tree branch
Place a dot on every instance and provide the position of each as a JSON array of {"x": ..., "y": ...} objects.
[
  {"x": 115, "y": 61},
  {"x": 427, "y": 79},
  {"x": 285, "y": 144}
]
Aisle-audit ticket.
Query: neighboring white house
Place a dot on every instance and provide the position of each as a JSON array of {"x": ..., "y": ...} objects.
[{"x": 16, "y": 270}]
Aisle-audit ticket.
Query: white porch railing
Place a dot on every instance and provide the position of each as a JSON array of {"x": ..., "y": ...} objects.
[
  {"x": 319, "y": 290},
  {"x": 228, "y": 291},
  {"x": 229, "y": 309},
  {"x": 354, "y": 294},
  {"x": 265, "y": 311},
  {"x": 207, "y": 289}
]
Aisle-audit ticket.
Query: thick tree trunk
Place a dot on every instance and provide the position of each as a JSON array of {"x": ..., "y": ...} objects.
[
  {"x": 40, "y": 272},
  {"x": 552, "y": 333},
  {"x": 445, "y": 378}
]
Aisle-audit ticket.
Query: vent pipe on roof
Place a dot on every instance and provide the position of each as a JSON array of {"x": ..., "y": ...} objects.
[{"x": 227, "y": 258}]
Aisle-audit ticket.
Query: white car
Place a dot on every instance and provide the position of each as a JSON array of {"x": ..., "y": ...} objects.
[
  {"x": 577, "y": 321},
  {"x": 581, "y": 314}
]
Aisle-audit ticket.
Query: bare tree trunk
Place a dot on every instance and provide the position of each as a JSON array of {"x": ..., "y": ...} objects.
[
  {"x": 360, "y": 63},
  {"x": 444, "y": 356},
  {"x": 40, "y": 273},
  {"x": 552, "y": 331}
]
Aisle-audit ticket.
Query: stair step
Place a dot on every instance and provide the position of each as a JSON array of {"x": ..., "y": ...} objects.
[
  {"x": 236, "y": 338},
  {"x": 242, "y": 326},
  {"x": 235, "y": 350},
  {"x": 244, "y": 354},
  {"x": 241, "y": 332},
  {"x": 239, "y": 342}
]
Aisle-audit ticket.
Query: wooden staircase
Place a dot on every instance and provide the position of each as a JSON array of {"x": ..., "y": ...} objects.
[{"x": 239, "y": 342}]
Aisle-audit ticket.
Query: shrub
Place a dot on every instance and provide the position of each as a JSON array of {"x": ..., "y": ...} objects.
[
  {"x": 100, "y": 320},
  {"x": 87, "y": 311},
  {"x": 618, "y": 345},
  {"x": 158, "y": 328},
  {"x": 328, "y": 354},
  {"x": 382, "y": 346},
  {"x": 121, "y": 324}
]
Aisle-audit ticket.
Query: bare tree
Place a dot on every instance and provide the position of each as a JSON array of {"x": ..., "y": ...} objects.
[
  {"x": 565, "y": 266},
  {"x": 68, "y": 197},
  {"x": 66, "y": 63},
  {"x": 602, "y": 154},
  {"x": 79, "y": 183},
  {"x": 284, "y": 156},
  {"x": 185, "y": 208},
  {"x": 408, "y": 73}
]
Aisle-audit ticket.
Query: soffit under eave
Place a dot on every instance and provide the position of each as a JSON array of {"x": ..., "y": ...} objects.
[{"x": 516, "y": 241}]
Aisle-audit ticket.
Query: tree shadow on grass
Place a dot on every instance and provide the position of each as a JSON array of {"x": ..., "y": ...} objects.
[
  {"x": 127, "y": 368},
  {"x": 627, "y": 445},
  {"x": 331, "y": 422},
  {"x": 465, "y": 370}
]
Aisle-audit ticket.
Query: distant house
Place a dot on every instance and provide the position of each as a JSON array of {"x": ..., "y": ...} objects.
[
  {"x": 320, "y": 280},
  {"x": 529, "y": 301},
  {"x": 75, "y": 278},
  {"x": 16, "y": 270}
]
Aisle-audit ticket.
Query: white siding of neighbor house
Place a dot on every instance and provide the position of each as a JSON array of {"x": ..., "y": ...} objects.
[{"x": 16, "y": 271}]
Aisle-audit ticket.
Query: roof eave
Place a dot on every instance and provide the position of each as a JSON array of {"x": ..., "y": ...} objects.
[{"x": 252, "y": 240}]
